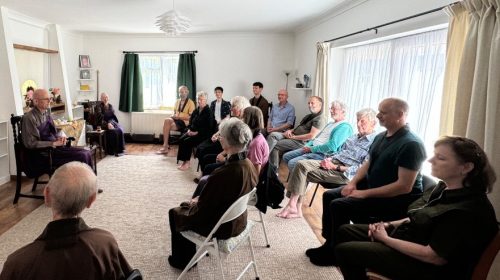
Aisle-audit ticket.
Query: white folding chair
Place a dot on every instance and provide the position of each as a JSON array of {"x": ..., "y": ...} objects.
[
  {"x": 213, "y": 246},
  {"x": 253, "y": 202}
]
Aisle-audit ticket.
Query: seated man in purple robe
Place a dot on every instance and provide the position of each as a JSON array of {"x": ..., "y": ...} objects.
[{"x": 39, "y": 131}]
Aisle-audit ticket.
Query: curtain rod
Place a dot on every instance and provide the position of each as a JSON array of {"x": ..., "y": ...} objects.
[
  {"x": 389, "y": 23},
  {"x": 160, "y": 51}
]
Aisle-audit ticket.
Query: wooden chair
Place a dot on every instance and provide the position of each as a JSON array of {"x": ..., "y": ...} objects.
[{"x": 23, "y": 162}]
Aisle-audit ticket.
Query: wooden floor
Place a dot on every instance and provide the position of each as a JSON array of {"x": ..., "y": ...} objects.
[{"x": 11, "y": 214}]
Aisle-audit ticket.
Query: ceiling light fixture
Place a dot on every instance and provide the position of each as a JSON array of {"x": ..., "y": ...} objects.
[{"x": 173, "y": 23}]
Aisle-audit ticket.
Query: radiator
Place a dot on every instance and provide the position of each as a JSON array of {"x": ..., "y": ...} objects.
[{"x": 148, "y": 122}]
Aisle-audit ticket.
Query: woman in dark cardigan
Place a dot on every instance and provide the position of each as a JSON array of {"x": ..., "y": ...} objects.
[
  {"x": 115, "y": 142},
  {"x": 201, "y": 126}
]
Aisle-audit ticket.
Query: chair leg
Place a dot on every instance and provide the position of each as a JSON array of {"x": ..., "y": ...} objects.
[
  {"x": 314, "y": 194},
  {"x": 219, "y": 259},
  {"x": 18, "y": 188},
  {"x": 35, "y": 183},
  {"x": 197, "y": 256},
  {"x": 264, "y": 228},
  {"x": 253, "y": 256}
]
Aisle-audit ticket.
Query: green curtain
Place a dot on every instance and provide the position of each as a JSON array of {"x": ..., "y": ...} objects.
[
  {"x": 186, "y": 73},
  {"x": 131, "y": 85}
]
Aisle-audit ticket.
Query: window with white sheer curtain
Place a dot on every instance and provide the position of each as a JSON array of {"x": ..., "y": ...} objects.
[
  {"x": 411, "y": 68},
  {"x": 159, "y": 80}
]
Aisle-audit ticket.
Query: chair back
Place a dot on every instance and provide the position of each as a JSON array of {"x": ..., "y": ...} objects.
[
  {"x": 234, "y": 211},
  {"x": 485, "y": 262},
  {"x": 19, "y": 149}
]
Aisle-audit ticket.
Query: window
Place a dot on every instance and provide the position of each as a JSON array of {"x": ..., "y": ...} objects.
[
  {"x": 159, "y": 78},
  {"x": 411, "y": 68}
]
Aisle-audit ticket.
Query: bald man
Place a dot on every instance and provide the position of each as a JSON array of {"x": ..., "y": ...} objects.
[
  {"x": 39, "y": 131},
  {"x": 382, "y": 188},
  {"x": 282, "y": 115},
  {"x": 68, "y": 248}
]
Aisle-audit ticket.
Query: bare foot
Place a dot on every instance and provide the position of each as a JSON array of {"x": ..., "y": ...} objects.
[
  {"x": 293, "y": 215},
  {"x": 183, "y": 167},
  {"x": 287, "y": 211},
  {"x": 163, "y": 151}
]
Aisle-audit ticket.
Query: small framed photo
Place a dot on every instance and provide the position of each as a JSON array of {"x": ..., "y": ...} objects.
[
  {"x": 84, "y": 74},
  {"x": 84, "y": 61}
]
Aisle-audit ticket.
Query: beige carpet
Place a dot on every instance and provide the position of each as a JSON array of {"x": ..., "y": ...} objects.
[{"x": 139, "y": 190}]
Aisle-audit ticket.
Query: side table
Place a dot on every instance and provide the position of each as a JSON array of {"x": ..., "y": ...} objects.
[{"x": 99, "y": 134}]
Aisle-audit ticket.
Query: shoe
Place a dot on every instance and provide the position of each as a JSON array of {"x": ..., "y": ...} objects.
[
  {"x": 327, "y": 260},
  {"x": 100, "y": 190},
  {"x": 322, "y": 256},
  {"x": 119, "y": 154},
  {"x": 178, "y": 264},
  {"x": 316, "y": 251}
]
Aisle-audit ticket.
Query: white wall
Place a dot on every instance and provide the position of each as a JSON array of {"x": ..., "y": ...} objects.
[
  {"x": 359, "y": 16},
  {"x": 233, "y": 61}
]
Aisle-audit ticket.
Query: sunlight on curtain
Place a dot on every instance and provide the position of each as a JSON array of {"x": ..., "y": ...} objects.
[
  {"x": 159, "y": 75},
  {"x": 411, "y": 68}
]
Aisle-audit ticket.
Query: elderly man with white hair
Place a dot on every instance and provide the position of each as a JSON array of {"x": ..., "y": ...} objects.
[
  {"x": 68, "y": 248},
  {"x": 337, "y": 169},
  {"x": 226, "y": 184}
]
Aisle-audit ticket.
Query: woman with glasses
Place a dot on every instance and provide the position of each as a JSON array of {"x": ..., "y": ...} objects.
[{"x": 446, "y": 230}]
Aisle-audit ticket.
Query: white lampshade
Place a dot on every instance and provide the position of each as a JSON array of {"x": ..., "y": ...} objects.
[{"x": 173, "y": 23}]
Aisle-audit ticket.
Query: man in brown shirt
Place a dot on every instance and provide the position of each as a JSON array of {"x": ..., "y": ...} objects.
[
  {"x": 259, "y": 100},
  {"x": 68, "y": 248}
]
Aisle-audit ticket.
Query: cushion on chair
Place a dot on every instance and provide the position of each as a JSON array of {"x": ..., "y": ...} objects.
[{"x": 227, "y": 245}]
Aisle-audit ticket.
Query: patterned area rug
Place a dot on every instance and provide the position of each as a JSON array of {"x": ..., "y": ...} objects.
[{"x": 139, "y": 191}]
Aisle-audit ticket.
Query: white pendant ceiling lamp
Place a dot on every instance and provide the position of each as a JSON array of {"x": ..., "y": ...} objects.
[{"x": 173, "y": 23}]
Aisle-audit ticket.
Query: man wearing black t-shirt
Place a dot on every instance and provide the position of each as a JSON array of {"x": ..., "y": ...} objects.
[
  {"x": 259, "y": 100},
  {"x": 383, "y": 186}
]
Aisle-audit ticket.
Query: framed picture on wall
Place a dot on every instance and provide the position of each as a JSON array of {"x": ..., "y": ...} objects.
[
  {"x": 84, "y": 74},
  {"x": 84, "y": 61}
]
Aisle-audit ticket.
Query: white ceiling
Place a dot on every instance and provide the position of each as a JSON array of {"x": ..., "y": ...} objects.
[{"x": 138, "y": 16}]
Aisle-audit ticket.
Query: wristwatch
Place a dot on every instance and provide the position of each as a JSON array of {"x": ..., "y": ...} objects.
[{"x": 338, "y": 168}]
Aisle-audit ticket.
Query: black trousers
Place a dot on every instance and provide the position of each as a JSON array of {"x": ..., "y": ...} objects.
[
  {"x": 186, "y": 145},
  {"x": 206, "y": 152},
  {"x": 355, "y": 253},
  {"x": 182, "y": 249},
  {"x": 339, "y": 210}
]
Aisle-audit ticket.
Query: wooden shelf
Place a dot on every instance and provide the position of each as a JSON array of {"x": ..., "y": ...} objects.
[{"x": 34, "y": 49}]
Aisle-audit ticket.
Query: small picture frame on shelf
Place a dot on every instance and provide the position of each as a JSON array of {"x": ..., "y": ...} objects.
[
  {"x": 85, "y": 74},
  {"x": 84, "y": 61}
]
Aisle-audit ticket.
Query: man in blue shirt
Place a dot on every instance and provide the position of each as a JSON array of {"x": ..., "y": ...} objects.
[
  {"x": 282, "y": 115},
  {"x": 337, "y": 169}
]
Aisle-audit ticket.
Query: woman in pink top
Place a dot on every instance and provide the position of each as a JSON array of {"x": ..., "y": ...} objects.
[{"x": 258, "y": 150}]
